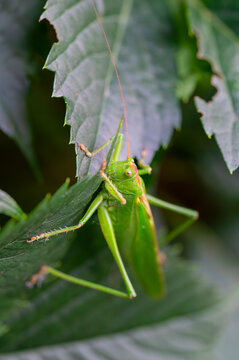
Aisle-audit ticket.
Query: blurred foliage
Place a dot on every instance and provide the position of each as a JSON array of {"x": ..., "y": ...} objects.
[{"x": 191, "y": 172}]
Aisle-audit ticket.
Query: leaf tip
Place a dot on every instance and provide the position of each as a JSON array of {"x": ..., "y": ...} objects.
[
  {"x": 68, "y": 180},
  {"x": 24, "y": 216},
  {"x": 48, "y": 196}
]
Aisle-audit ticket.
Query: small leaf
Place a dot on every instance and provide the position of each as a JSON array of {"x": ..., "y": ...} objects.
[
  {"x": 8, "y": 206},
  {"x": 16, "y": 21},
  {"x": 141, "y": 37},
  {"x": 220, "y": 46}
]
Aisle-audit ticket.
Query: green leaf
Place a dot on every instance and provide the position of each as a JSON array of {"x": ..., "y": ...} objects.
[
  {"x": 227, "y": 11},
  {"x": 8, "y": 206},
  {"x": 183, "y": 325},
  {"x": 141, "y": 37},
  {"x": 18, "y": 259},
  {"x": 220, "y": 46},
  {"x": 7, "y": 307},
  {"x": 16, "y": 22},
  {"x": 191, "y": 70}
]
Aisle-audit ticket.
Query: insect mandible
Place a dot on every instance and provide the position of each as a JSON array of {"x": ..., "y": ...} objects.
[{"x": 125, "y": 217}]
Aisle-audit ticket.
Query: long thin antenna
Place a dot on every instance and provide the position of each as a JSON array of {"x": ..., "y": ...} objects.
[{"x": 116, "y": 72}]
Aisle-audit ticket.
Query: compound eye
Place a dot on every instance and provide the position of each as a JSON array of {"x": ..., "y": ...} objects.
[{"x": 128, "y": 172}]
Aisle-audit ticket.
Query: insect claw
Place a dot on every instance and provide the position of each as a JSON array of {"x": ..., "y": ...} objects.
[
  {"x": 33, "y": 238},
  {"x": 144, "y": 153},
  {"x": 37, "y": 237},
  {"x": 85, "y": 150},
  {"x": 141, "y": 162},
  {"x": 103, "y": 166},
  {"x": 196, "y": 216},
  {"x": 162, "y": 258},
  {"x": 123, "y": 201},
  {"x": 132, "y": 296},
  {"x": 37, "y": 278}
]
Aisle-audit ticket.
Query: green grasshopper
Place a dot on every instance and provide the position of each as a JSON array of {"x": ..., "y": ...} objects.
[{"x": 125, "y": 218}]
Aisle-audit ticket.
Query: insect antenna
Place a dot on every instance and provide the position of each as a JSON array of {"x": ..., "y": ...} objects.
[{"x": 116, "y": 72}]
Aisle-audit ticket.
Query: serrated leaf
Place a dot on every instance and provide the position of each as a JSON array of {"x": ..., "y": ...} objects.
[
  {"x": 8, "y": 206},
  {"x": 183, "y": 325},
  {"x": 16, "y": 21},
  {"x": 140, "y": 34},
  {"x": 19, "y": 260},
  {"x": 220, "y": 46}
]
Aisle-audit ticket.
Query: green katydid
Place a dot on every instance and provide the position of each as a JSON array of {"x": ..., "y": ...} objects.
[{"x": 125, "y": 218}]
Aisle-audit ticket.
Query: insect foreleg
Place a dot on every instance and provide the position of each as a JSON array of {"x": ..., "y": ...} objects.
[
  {"x": 96, "y": 151},
  {"x": 93, "y": 153},
  {"x": 90, "y": 211},
  {"x": 108, "y": 231},
  {"x": 192, "y": 216},
  {"x": 110, "y": 186}
]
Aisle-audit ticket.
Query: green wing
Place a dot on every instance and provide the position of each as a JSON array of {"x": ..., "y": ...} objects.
[{"x": 144, "y": 254}]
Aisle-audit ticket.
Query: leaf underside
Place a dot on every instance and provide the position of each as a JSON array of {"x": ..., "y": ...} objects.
[
  {"x": 220, "y": 46},
  {"x": 141, "y": 38}
]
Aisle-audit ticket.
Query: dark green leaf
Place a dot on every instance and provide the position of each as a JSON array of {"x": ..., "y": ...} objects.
[
  {"x": 19, "y": 260},
  {"x": 183, "y": 325},
  {"x": 16, "y": 21},
  {"x": 220, "y": 117},
  {"x": 140, "y": 34},
  {"x": 227, "y": 11},
  {"x": 191, "y": 70}
]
